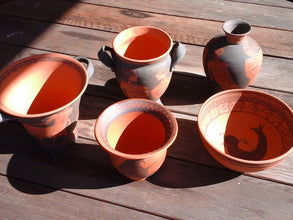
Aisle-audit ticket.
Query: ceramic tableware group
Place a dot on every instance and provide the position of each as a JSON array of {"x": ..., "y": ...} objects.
[{"x": 242, "y": 129}]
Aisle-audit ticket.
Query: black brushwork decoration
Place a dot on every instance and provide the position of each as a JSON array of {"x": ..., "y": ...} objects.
[{"x": 231, "y": 144}]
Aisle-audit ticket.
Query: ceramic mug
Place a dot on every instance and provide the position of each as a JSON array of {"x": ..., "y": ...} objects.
[
  {"x": 136, "y": 134},
  {"x": 43, "y": 93},
  {"x": 143, "y": 58}
]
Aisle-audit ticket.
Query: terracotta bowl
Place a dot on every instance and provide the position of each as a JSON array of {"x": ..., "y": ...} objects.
[
  {"x": 246, "y": 130},
  {"x": 136, "y": 134}
]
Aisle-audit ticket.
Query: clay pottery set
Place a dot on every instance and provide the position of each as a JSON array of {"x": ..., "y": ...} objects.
[
  {"x": 232, "y": 60},
  {"x": 136, "y": 134},
  {"x": 242, "y": 129},
  {"x": 246, "y": 130},
  {"x": 142, "y": 58},
  {"x": 43, "y": 92}
]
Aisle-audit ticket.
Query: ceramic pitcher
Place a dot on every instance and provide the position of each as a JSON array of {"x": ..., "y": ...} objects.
[{"x": 143, "y": 58}]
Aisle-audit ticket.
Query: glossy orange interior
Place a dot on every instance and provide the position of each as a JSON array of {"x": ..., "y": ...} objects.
[
  {"x": 136, "y": 133},
  {"x": 40, "y": 87},
  {"x": 142, "y": 43},
  {"x": 231, "y": 134},
  {"x": 247, "y": 130}
]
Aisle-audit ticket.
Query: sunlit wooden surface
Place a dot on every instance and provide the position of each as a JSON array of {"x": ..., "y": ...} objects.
[{"x": 80, "y": 183}]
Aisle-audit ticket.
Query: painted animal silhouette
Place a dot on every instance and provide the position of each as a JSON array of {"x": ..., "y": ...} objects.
[{"x": 231, "y": 144}]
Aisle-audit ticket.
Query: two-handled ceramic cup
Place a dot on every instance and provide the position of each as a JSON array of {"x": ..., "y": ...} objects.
[
  {"x": 43, "y": 93},
  {"x": 143, "y": 58}
]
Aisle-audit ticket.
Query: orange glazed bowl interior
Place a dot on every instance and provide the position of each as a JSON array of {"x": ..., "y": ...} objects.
[
  {"x": 246, "y": 130},
  {"x": 142, "y": 43},
  {"x": 41, "y": 83},
  {"x": 136, "y": 133}
]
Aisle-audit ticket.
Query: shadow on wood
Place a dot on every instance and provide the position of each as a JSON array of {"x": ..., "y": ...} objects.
[
  {"x": 188, "y": 145},
  {"x": 86, "y": 166},
  {"x": 12, "y": 34},
  {"x": 180, "y": 174},
  {"x": 187, "y": 88},
  {"x": 188, "y": 163},
  {"x": 83, "y": 166}
]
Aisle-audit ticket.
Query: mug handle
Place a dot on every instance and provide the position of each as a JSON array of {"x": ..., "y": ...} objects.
[
  {"x": 4, "y": 117},
  {"x": 177, "y": 53},
  {"x": 105, "y": 58},
  {"x": 89, "y": 65}
]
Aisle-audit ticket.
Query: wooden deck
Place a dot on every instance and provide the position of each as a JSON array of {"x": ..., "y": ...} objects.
[{"x": 80, "y": 183}]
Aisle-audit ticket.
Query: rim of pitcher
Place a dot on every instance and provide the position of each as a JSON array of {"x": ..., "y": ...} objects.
[{"x": 116, "y": 41}]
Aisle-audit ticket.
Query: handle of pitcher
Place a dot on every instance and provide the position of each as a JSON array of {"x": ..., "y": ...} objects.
[
  {"x": 105, "y": 58},
  {"x": 177, "y": 53},
  {"x": 4, "y": 117},
  {"x": 89, "y": 65}
]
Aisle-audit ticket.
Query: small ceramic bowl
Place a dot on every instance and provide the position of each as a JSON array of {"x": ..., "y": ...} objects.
[
  {"x": 246, "y": 130},
  {"x": 136, "y": 134}
]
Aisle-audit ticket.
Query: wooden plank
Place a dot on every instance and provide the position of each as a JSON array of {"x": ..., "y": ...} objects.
[
  {"x": 187, "y": 147},
  {"x": 182, "y": 96},
  {"x": 183, "y": 29},
  {"x": 183, "y": 102},
  {"x": 275, "y": 73},
  {"x": 186, "y": 91},
  {"x": 263, "y": 14},
  {"x": 23, "y": 200},
  {"x": 3, "y": 2},
  {"x": 279, "y": 3},
  {"x": 198, "y": 186},
  {"x": 85, "y": 170}
]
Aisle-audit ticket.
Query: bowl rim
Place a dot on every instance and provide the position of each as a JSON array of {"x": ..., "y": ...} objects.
[
  {"x": 233, "y": 158},
  {"x": 112, "y": 150},
  {"x": 49, "y": 57}
]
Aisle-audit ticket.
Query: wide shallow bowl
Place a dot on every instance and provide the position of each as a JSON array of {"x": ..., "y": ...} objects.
[
  {"x": 246, "y": 130},
  {"x": 136, "y": 134}
]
